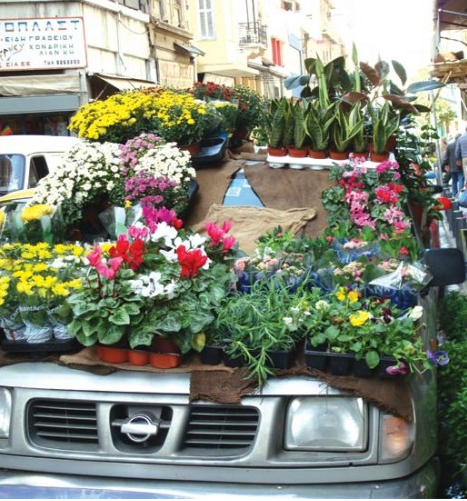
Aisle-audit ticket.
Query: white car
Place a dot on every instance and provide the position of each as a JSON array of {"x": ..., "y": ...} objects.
[{"x": 25, "y": 159}]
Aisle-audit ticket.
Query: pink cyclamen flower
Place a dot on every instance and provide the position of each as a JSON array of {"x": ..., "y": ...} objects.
[
  {"x": 111, "y": 270},
  {"x": 95, "y": 256}
]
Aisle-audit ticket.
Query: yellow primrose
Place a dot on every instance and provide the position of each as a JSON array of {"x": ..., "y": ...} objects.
[
  {"x": 359, "y": 318},
  {"x": 353, "y": 296},
  {"x": 340, "y": 294}
]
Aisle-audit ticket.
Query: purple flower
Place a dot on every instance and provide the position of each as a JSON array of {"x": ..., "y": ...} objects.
[
  {"x": 400, "y": 368},
  {"x": 438, "y": 358}
]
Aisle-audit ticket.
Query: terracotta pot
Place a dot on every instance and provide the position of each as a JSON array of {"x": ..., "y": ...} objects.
[
  {"x": 277, "y": 152},
  {"x": 379, "y": 157},
  {"x": 297, "y": 152},
  {"x": 138, "y": 357},
  {"x": 193, "y": 149},
  {"x": 317, "y": 154},
  {"x": 111, "y": 354},
  {"x": 165, "y": 360},
  {"x": 339, "y": 155}
]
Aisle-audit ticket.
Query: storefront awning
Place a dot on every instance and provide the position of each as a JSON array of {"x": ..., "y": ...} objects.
[
  {"x": 122, "y": 83},
  {"x": 39, "y": 104},
  {"x": 193, "y": 51},
  {"x": 35, "y": 85}
]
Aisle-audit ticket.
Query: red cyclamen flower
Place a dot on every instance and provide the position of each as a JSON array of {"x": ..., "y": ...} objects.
[{"x": 190, "y": 261}]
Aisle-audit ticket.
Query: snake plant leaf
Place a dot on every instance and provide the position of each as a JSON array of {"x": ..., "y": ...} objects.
[
  {"x": 299, "y": 133},
  {"x": 400, "y": 71}
]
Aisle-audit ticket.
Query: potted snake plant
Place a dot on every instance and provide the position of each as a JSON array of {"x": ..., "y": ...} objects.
[
  {"x": 275, "y": 126},
  {"x": 385, "y": 123},
  {"x": 295, "y": 132},
  {"x": 345, "y": 128}
]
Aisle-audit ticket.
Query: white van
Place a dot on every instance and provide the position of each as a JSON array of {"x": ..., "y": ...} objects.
[{"x": 24, "y": 160}]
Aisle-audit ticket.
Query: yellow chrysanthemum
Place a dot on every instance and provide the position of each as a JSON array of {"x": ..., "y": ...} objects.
[{"x": 35, "y": 212}]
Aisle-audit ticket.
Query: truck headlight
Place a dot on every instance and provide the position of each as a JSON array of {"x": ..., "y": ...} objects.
[
  {"x": 331, "y": 423},
  {"x": 397, "y": 437},
  {"x": 5, "y": 412}
]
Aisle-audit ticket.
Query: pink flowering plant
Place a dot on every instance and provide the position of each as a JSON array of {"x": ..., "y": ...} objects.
[
  {"x": 368, "y": 199},
  {"x": 155, "y": 280}
]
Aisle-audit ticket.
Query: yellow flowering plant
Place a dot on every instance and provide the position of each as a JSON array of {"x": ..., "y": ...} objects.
[
  {"x": 183, "y": 119},
  {"x": 35, "y": 281},
  {"x": 31, "y": 223},
  {"x": 176, "y": 116},
  {"x": 368, "y": 328}
]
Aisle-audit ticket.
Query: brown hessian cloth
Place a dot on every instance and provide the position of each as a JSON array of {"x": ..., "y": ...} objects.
[
  {"x": 285, "y": 188},
  {"x": 222, "y": 384}
]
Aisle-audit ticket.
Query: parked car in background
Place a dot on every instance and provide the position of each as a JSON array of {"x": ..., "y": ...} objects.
[{"x": 24, "y": 160}]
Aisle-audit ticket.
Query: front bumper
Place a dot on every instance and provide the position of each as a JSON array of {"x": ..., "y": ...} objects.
[{"x": 23, "y": 485}]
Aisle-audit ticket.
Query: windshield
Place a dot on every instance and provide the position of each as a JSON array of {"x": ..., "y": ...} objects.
[{"x": 12, "y": 169}]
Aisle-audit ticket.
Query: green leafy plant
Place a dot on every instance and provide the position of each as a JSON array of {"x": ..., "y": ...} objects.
[
  {"x": 385, "y": 124},
  {"x": 453, "y": 316},
  {"x": 276, "y": 122},
  {"x": 318, "y": 123},
  {"x": 346, "y": 127},
  {"x": 257, "y": 323}
]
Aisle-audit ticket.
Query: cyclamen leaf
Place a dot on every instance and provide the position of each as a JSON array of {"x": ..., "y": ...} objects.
[
  {"x": 112, "y": 335},
  {"x": 120, "y": 317}
]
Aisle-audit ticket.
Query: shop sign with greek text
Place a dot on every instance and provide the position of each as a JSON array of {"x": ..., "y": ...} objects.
[{"x": 42, "y": 44}]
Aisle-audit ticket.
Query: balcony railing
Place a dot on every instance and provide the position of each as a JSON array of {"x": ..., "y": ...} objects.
[{"x": 253, "y": 33}]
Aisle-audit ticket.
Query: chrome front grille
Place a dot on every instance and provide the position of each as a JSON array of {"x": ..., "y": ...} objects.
[
  {"x": 218, "y": 427},
  {"x": 67, "y": 424},
  {"x": 202, "y": 430}
]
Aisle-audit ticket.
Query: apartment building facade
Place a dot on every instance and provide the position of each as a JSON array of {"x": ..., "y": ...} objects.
[{"x": 58, "y": 55}]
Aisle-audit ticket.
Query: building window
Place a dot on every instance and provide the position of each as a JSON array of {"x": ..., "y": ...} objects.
[
  {"x": 178, "y": 13},
  {"x": 141, "y": 5},
  {"x": 206, "y": 22},
  {"x": 276, "y": 52}
]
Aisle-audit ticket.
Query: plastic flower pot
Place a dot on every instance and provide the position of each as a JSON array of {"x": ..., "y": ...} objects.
[
  {"x": 211, "y": 355},
  {"x": 165, "y": 360},
  {"x": 316, "y": 357},
  {"x": 361, "y": 369},
  {"x": 340, "y": 364},
  {"x": 282, "y": 359},
  {"x": 111, "y": 354},
  {"x": 138, "y": 357},
  {"x": 320, "y": 155},
  {"x": 165, "y": 354}
]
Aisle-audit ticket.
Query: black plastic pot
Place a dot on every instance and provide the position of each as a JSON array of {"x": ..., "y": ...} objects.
[
  {"x": 316, "y": 357},
  {"x": 282, "y": 359},
  {"x": 211, "y": 355}
]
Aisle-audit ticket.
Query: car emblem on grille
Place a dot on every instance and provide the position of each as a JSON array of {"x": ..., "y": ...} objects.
[{"x": 140, "y": 427}]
